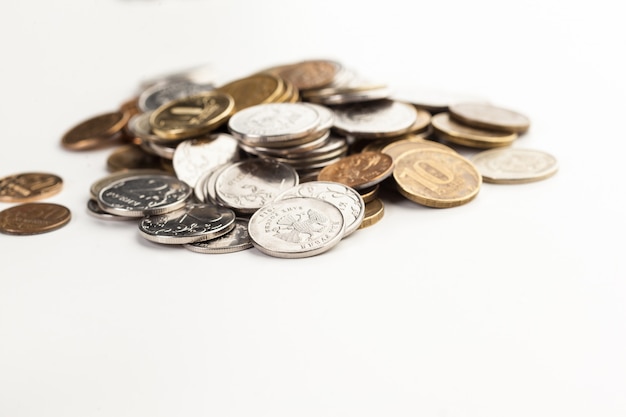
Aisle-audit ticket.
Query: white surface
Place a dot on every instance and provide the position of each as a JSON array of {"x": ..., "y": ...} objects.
[{"x": 512, "y": 305}]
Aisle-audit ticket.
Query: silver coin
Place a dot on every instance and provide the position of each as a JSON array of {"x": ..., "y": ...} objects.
[
  {"x": 168, "y": 90},
  {"x": 105, "y": 181},
  {"x": 345, "y": 198},
  {"x": 247, "y": 185},
  {"x": 285, "y": 151},
  {"x": 296, "y": 227},
  {"x": 193, "y": 157},
  {"x": 274, "y": 122},
  {"x": 236, "y": 240},
  {"x": 375, "y": 119},
  {"x": 144, "y": 195},
  {"x": 94, "y": 210},
  {"x": 431, "y": 99},
  {"x": 514, "y": 165},
  {"x": 193, "y": 223},
  {"x": 201, "y": 74}
]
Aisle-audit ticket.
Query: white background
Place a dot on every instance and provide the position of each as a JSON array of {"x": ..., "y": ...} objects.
[{"x": 512, "y": 305}]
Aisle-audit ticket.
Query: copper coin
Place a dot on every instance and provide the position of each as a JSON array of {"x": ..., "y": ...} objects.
[
  {"x": 316, "y": 73},
  {"x": 96, "y": 132},
  {"x": 359, "y": 170},
  {"x": 33, "y": 218},
  {"x": 29, "y": 186},
  {"x": 132, "y": 157}
]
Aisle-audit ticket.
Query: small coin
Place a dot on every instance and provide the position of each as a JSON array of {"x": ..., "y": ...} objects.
[
  {"x": 375, "y": 119},
  {"x": 515, "y": 165},
  {"x": 168, "y": 90},
  {"x": 309, "y": 74},
  {"x": 98, "y": 185},
  {"x": 296, "y": 227},
  {"x": 489, "y": 116},
  {"x": 436, "y": 178},
  {"x": 96, "y": 132},
  {"x": 448, "y": 129},
  {"x": 29, "y": 186},
  {"x": 397, "y": 148},
  {"x": 132, "y": 157},
  {"x": 236, "y": 240},
  {"x": 374, "y": 212},
  {"x": 359, "y": 170},
  {"x": 254, "y": 89},
  {"x": 94, "y": 210},
  {"x": 33, "y": 218}
]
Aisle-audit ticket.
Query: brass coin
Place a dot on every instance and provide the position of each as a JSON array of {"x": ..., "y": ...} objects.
[
  {"x": 436, "y": 178},
  {"x": 370, "y": 193},
  {"x": 359, "y": 170},
  {"x": 374, "y": 212},
  {"x": 309, "y": 74},
  {"x": 397, "y": 148},
  {"x": 452, "y": 131},
  {"x": 29, "y": 186},
  {"x": 132, "y": 157},
  {"x": 33, "y": 218},
  {"x": 191, "y": 116},
  {"x": 254, "y": 89},
  {"x": 96, "y": 132},
  {"x": 488, "y": 116}
]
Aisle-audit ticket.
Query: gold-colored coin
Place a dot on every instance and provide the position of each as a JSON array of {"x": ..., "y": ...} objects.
[
  {"x": 359, "y": 170},
  {"x": 192, "y": 116},
  {"x": 370, "y": 193},
  {"x": 96, "y": 132},
  {"x": 254, "y": 89},
  {"x": 306, "y": 75},
  {"x": 33, "y": 218},
  {"x": 133, "y": 157},
  {"x": 488, "y": 116},
  {"x": 29, "y": 186},
  {"x": 374, "y": 212},
  {"x": 436, "y": 178},
  {"x": 450, "y": 130},
  {"x": 397, "y": 148}
]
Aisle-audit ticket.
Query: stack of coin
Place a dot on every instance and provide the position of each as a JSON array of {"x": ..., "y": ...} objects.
[{"x": 260, "y": 88}]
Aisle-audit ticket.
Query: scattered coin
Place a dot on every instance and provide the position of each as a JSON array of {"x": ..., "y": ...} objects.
[
  {"x": 515, "y": 165},
  {"x": 448, "y": 129},
  {"x": 96, "y": 132},
  {"x": 489, "y": 116},
  {"x": 33, "y": 218},
  {"x": 29, "y": 186}
]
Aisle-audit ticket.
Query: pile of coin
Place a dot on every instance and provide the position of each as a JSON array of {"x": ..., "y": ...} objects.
[{"x": 291, "y": 158}]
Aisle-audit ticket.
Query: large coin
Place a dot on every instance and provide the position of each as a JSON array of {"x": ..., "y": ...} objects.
[
  {"x": 359, "y": 170},
  {"x": 29, "y": 186},
  {"x": 375, "y": 119},
  {"x": 515, "y": 165},
  {"x": 33, "y": 218},
  {"x": 296, "y": 227},
  {"x": 436, "y": 178}
]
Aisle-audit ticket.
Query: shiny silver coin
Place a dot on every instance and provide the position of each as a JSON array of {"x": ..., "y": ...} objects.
[
  {"x": 247, "y": 185},
  {"x": 514, "y": 165},
  {"x": 105, "y": 181},
  {"x": 95, "y": 211},
  {"x": 144, "y": 195},
  {"x": 168, "y": 90},
  {"x": 271, "y": 123},
  {"x": 194, "y": 222},
  {"x": 375, "y": 119},
  {"x": 204, "y": 74},
  {"x": 296, "y": 227},
  {"x": 286, "y": 151},
  {"x": 344, "y": 95},
  {"x": 345, "y": 198},
  {"x": 236, "y": 240}
]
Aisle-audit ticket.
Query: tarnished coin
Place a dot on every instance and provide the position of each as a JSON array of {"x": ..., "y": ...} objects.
[
  {"x": 374, "y": 212},
  {"x": 192, "y": 116},
  {"x": 194, "y": 222},
  {"x": 450, "y": 130},
  {"x": 33, "y": 218},
  {"x": 236, "y": 240},
  {"x": 489, "y": 116},
  {"x": 96, "y": 132},
  {"x": 247, "y": 185},
  {"x": 436, "y": 178},
  {"x": 359, "y": 170},
  {"x": 296, "y": 227},
  {"x": 345, "y": 198},
  {"x": 515, "y": 165},
  {"x": 253, "y": 90},
  {"x": 193, "y": 157},
  {"x": 375, "y": 119},
  {"x": 144, "y": 195},
  {"x": 29, "y": 186}
]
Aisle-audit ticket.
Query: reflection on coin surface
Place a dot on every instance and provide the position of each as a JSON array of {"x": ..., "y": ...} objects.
[
  {"x": 345, "y": 198},
  {"x": 252, "y": 90},
  {"x": 95, "y": 132},
  {"x": 296, "y": 227},
  {"x": 98, "y": 185},
  {"x": 33, "y": 218},
  {"x": 488, "y": 116},
  {"x": 448, "y": 129},
  {"x": 436, "y": 178},
  {"x": 236, "y": 240},
  {"x": 359, "y": 170},
  {"x": 29, "y": 186},
  {"x": 166, "y": 91},
  {"x": 375, "y": 119},
  {"x": 397, "y": 148},
  {"x": 515, "y": 165},
  {"x": 144, "y": 195},
  {"x": 192, "y": 223}
]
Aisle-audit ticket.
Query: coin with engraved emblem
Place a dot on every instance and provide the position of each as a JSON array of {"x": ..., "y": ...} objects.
[
  {"x": 253, "y": 90},
  {"x": 191, "y": 116},
  {"x": 33, "y": 218},
  {"x": 489, "y": 116},
  {"x": 166, "y": 91},
  {"x": 194, "y": 222},
  {"x": 436, "y": 178},
  {"x": 144, "y": 195},
  {"x": 296, "y": 227},
  {"x": 96, "y": 132},
  {"x": 236, "y": 240},
  {"x": 359, "y": 170},
  {"x": 375, "y": 119},
  {"x": 309, "y": 74},
  {"x": 29, "y": 186},
  {"x": 515, "y": 165}
]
